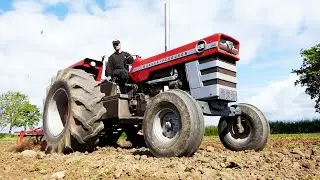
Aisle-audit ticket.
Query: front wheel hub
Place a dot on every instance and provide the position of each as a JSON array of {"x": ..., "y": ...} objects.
[
  {"x": 242, "y": 128},
  {"x": 167, "y": 124}
]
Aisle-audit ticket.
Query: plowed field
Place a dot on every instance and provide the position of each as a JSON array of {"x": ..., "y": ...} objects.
[{"x": 283, "y": 158}]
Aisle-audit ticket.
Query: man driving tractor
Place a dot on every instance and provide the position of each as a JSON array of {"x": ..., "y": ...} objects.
[{"x": 117, "y": 65}]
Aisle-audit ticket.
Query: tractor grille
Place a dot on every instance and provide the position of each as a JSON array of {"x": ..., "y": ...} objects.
[{"x": 212, "y": 78}]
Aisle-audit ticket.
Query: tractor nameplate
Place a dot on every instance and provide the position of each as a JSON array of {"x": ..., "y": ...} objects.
[{"x": 201, "y": 46}]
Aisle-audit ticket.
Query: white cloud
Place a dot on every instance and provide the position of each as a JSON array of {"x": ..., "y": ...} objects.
[
  {"x": 281, "y": 100},
  {"x": 29, "y": 59},
  {"x": 278, "y": 100}
]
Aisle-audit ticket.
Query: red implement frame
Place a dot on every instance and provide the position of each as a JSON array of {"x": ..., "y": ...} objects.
[{"x": 38, "y": 133}]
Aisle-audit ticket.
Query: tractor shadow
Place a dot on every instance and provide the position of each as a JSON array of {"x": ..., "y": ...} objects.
[
  {"x": 138, "y": 150},
  {"x": 143, "y": 152}
]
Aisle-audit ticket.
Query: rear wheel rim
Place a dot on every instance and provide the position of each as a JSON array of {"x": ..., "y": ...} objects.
[{"x": 57, "y": 114}]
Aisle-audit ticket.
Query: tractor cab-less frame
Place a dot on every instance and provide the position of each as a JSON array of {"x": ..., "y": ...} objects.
[{"x": 81, "y": 111}]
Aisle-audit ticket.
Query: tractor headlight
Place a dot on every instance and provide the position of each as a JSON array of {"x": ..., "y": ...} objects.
[
  {"x": 92, "y": 63},
  {"x": 228, "y": 46}
]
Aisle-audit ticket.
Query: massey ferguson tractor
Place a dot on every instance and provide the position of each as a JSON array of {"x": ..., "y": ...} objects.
[{"x": 82, "y": 111}]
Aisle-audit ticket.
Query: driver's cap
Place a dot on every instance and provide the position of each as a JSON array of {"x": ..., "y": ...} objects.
[{"x": 116, "y": 41}]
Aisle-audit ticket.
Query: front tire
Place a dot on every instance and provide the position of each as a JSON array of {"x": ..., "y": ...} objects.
[
  {"x": 72, "y": 112},
  {"x": 173, "y": 124},
  {"x": 255, "y": 132}
]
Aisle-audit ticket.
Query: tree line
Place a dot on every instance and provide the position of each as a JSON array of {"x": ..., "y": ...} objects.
[
  {"x": 281, "y": 127},
  {"x": 16, "y": 111}
]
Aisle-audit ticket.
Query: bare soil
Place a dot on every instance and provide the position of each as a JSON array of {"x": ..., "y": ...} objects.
[{"x": 283, "y": 158}]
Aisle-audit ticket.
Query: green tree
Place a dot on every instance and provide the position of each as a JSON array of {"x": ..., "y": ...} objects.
[
  {"x": 30, "y": 115},
  {"x": 17, "y": 111},
  {"x": 309, "y": 73}
]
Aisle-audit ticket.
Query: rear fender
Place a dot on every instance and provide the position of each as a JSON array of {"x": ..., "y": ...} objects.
[{"x": 91, "y": 66}]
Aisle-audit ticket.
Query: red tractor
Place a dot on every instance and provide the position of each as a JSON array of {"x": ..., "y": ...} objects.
[{"x": 82, "y": 111}]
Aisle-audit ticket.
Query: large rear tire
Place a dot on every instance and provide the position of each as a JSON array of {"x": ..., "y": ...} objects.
[
  {"x": 173, "y": 124},
  {"x": 255, "y": 132},
  {"x": 72, "y": 112}
]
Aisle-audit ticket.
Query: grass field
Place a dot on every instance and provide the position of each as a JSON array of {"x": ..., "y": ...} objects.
[
  {"x": 274, "y": 136},
  {"x": 8, "y": 137},
  {"x": 302, "y": 135}
]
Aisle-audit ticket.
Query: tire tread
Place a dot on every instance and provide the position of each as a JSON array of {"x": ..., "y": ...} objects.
[{"x": 87, "y": 111}]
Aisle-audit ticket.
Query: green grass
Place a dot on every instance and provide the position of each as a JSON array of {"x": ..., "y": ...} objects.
[
  {"x": 123, "y": 136},
  {"x": 211, "y": 131},
  {"x": 302, "y": 135},
  {"x": 211, "y": 138},
  {"x": 8, "y": 137},
  {"x": 275, "y": 136}
]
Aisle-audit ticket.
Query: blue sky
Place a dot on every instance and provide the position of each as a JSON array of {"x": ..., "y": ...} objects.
[
  {"x": 6, "y": 5},
  {"x": 270, "y": 40},
  {"x": 60, "y": 10}
]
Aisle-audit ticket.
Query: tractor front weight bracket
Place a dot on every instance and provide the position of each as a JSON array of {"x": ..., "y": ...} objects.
[{"x": 219, "y": 109}]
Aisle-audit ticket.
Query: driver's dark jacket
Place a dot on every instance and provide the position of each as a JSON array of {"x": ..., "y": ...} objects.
[{"x": 118, "y": 61}]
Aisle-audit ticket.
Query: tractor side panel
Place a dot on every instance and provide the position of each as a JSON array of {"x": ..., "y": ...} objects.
[
  {"x": 212, "y": 79},
  {"x": 117, "y": 107},
  {"x": 208, "y": 46},
  {"x": 108, "y": 88}
]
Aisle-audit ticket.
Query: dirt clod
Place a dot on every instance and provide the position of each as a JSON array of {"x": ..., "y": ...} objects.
[
  {"x": 210, "y": 149},
  {"x": 118, "y": 173},
  {"x": 296, "y": 165},
  {"x": 29, "y": 153},
  {"x": 315, "y": 152},
  {"x": 137, "y": 157},
  {"x": 58, "y": 175}
]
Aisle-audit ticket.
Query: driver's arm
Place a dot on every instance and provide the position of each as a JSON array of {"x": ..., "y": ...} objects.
[
  {"x": 109, "y": 68},
  {"x": 130, "y": 58}
]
